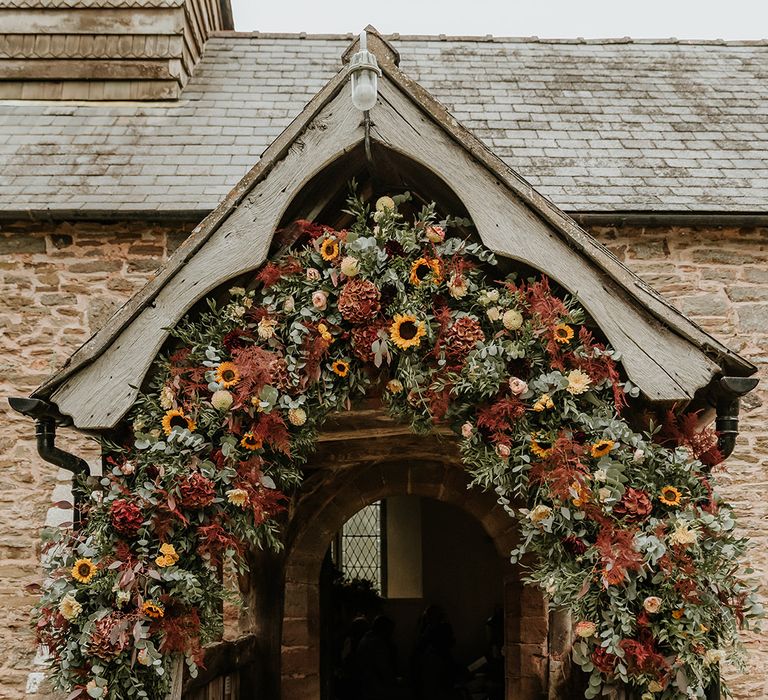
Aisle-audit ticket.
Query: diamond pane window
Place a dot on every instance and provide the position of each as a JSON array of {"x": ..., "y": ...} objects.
[{"x": 361, "y": 545}]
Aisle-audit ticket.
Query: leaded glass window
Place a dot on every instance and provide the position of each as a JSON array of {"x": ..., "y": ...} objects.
[{"x": 361, "y": 545}]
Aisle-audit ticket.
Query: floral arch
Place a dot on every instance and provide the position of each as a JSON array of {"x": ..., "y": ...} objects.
[{"x": 618, "y": 513}]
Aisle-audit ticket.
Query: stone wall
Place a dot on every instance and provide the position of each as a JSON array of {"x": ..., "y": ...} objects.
[{"x": 58, "y": 283}]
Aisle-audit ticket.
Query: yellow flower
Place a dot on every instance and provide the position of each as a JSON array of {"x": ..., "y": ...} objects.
[
  {"x": 544, "y": 402},
  {"x": 325, "y": 334},
  {"x": 537, "y": 449},
  {"x": 383, "y": 203},
  {"x": 424, "y": 266},
  {"x": 250, "y": 442},
  {"x": 152, "y": 609},
  {"x": 227, "y": 374},
  {"x": 177, "y": 419},
  {"x": 394, "y": 386},
  {"x": 83, "y": 570},
  {"x": 563, "y": 333},
  {"x": 237, "y": 497},
  {"x": 677, "y": 614},
  {"x": 329, "y": 249},
  {"x": 297, "y": 416},
  {"x": 340, "y": 367},
  {"x": 670, "y": 496},
  {"x": 601, "y": 448},
  {"x": 168, "y": 555},
  {"x": 406, "y": 332}
]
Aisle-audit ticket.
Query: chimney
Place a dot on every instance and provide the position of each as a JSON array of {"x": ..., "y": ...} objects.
[{"x": 103, "y": 49}]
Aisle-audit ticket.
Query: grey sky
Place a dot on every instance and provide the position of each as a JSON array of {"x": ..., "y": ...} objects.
[{"x": 701, "y": 19}]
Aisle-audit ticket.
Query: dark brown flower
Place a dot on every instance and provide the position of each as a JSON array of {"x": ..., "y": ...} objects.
[
  {"x": 126, "y": 517},
  {"x": 634, "y": 505},
  {"x": 363, "y": 338},
  {"x": 196, "y": 491},
  {"x": 359, "y": 301},
  {"x": 462, "y": 337}
]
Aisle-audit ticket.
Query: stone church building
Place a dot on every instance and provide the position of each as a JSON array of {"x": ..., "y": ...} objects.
[{"x": 125, "y": 123}]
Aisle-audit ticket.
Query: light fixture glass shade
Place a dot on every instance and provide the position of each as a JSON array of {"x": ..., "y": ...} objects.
[{"x": 364, "y": 88}]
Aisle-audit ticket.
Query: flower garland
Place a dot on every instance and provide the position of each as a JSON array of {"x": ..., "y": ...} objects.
[{"x": 624, "y": 527}]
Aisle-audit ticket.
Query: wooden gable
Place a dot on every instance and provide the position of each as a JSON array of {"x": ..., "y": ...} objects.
[{"x": 665, "y": 354}]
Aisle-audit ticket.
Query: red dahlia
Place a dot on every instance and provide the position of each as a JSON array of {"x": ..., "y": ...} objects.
[
  {"x": 126, "y": 517},
  {"x": 196, "y": 491},
  {"x": 359, "y": 301}
]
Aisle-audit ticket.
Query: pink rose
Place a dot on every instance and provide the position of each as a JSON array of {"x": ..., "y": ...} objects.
[
  {"x": 320, "y": 300},
  {"x": 467, "y": 430},
  {"x": 313, "y": 275},
  {"x": 652, "y": 604},
  {"x": 517, "y": 386},
  {"x": 503, "y": 450}
]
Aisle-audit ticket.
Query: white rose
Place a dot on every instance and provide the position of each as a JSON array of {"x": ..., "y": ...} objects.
[
  {"x": 494, "y": 313},
  {"x": 350, "y": 266},
  {"x": 493, "y": 295},
  {"x": 222, "y": 400}
]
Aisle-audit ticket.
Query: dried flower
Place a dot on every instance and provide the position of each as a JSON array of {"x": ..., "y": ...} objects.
[
  {"x": 359, "y": 301},
  {"x": 167, "y": 398},
  {"x": 683, "y": 535},
  {"x": 221, "y": 400},
  {"x": 503, "y": 450},
  {"x": 635, "y": 505},
  {"x": 313, "y": 274},
  {"x": 126, "y": 517},
  {"x": 69, "y": 607},
  {"x": 462, "y": 337},
  {"x": 585, "y": 629},
  {"x": 714, "y": 656},
  {"x": 394, "y": 386},
  {"x": 543, "y": 403},
  {"x": 494, "y": 313},
  {"x": 289, "y": 305},
  {"x": 435, "y": 234},
  {"x": 325, "y": 334},
  {"x": 539, "y": 513},
  {"x": 517, "y": 386},
  {"x": 319, "y": 300},
  {"x": 297, "y": 416},
  {"x": 457, "y": 287},
  {"x": 638, "y": 456},
  {"x": 384, "y": 203},
  {"x": 128, "y": 468},
  {"x": 196, "y": 491},
  {"x": 467, "y": 430},
  {"x": 512, "y": 319},
  {"x": 350, "y": 266},
  {"x": 266, "y": 328},
  {"x": 600, "y": 475},
  {"x": 578, "y": 382},
  {"x": 237, "y": 497},
  {"x": 143, "y": 657},
  {"x": 652, "y": 604}
]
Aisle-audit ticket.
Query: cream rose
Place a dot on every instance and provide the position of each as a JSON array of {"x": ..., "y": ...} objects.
[
  {"x": 652, "y": 604},
  {"x": 319, "y": 300}
]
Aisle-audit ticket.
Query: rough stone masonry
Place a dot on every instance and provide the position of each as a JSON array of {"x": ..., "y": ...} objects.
[{"x": 59, "y": 283}]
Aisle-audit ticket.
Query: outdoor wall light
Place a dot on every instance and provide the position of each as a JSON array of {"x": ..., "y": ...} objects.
[{"x": 364, "y": 72}]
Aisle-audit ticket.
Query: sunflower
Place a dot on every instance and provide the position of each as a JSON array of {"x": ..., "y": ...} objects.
[
  {"x": 537, "y": 449},
  {"x": 340, "y": 367},
  {"x": 601, "y": 448},
  {"x": 250, "y": 442},
  {"x": 83, "y": 570},
  {"x": 563, "y": 333},
  {"x": 406, "y": 331},
  {"x": 670, "y": 496},
  {"x": 422, "y": 267},
  {"x": 176, "y": 419},
  {"x": 227, "y": 374},
  {"x": 152, "y": 609},
  {"x": 329, "y": 249}
]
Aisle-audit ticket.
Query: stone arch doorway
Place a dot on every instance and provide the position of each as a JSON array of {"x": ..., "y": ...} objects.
[{"x": 349, "y": 476}]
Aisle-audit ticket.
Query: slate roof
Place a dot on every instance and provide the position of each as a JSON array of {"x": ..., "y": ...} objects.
[{"x": 597, "y": 126}]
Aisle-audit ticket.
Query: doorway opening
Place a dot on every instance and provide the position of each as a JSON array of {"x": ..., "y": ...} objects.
[{"x": 411, "y": 596}]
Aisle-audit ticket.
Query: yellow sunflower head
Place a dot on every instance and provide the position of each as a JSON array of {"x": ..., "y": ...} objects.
[
  {"x": 537, "y": 448},
  {"x": 152, "y": 609},
  {"x": 83, "y": 570},
  {"x": 407, "y": 331},
  {"x": 340, "y": 367},
  {"x": 422, "y": 267},
  {"x": 601, "y": 448},
  {"x": 670, "y": 496},
  {"x": 227, "y": 374},
  {"x": 329, "y": 249},
  {"x": 175, "y": 418},
  {"x": 250, "y": 442},
  {"x": 563, "y": 333}
]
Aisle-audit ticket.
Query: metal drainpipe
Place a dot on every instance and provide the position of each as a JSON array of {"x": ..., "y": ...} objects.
[
  {"x": 45, "y": 416},
  {"x": 726, "y": 397}
]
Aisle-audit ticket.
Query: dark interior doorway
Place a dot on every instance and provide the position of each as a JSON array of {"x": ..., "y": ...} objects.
[{"x": 411, "y": 607}]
